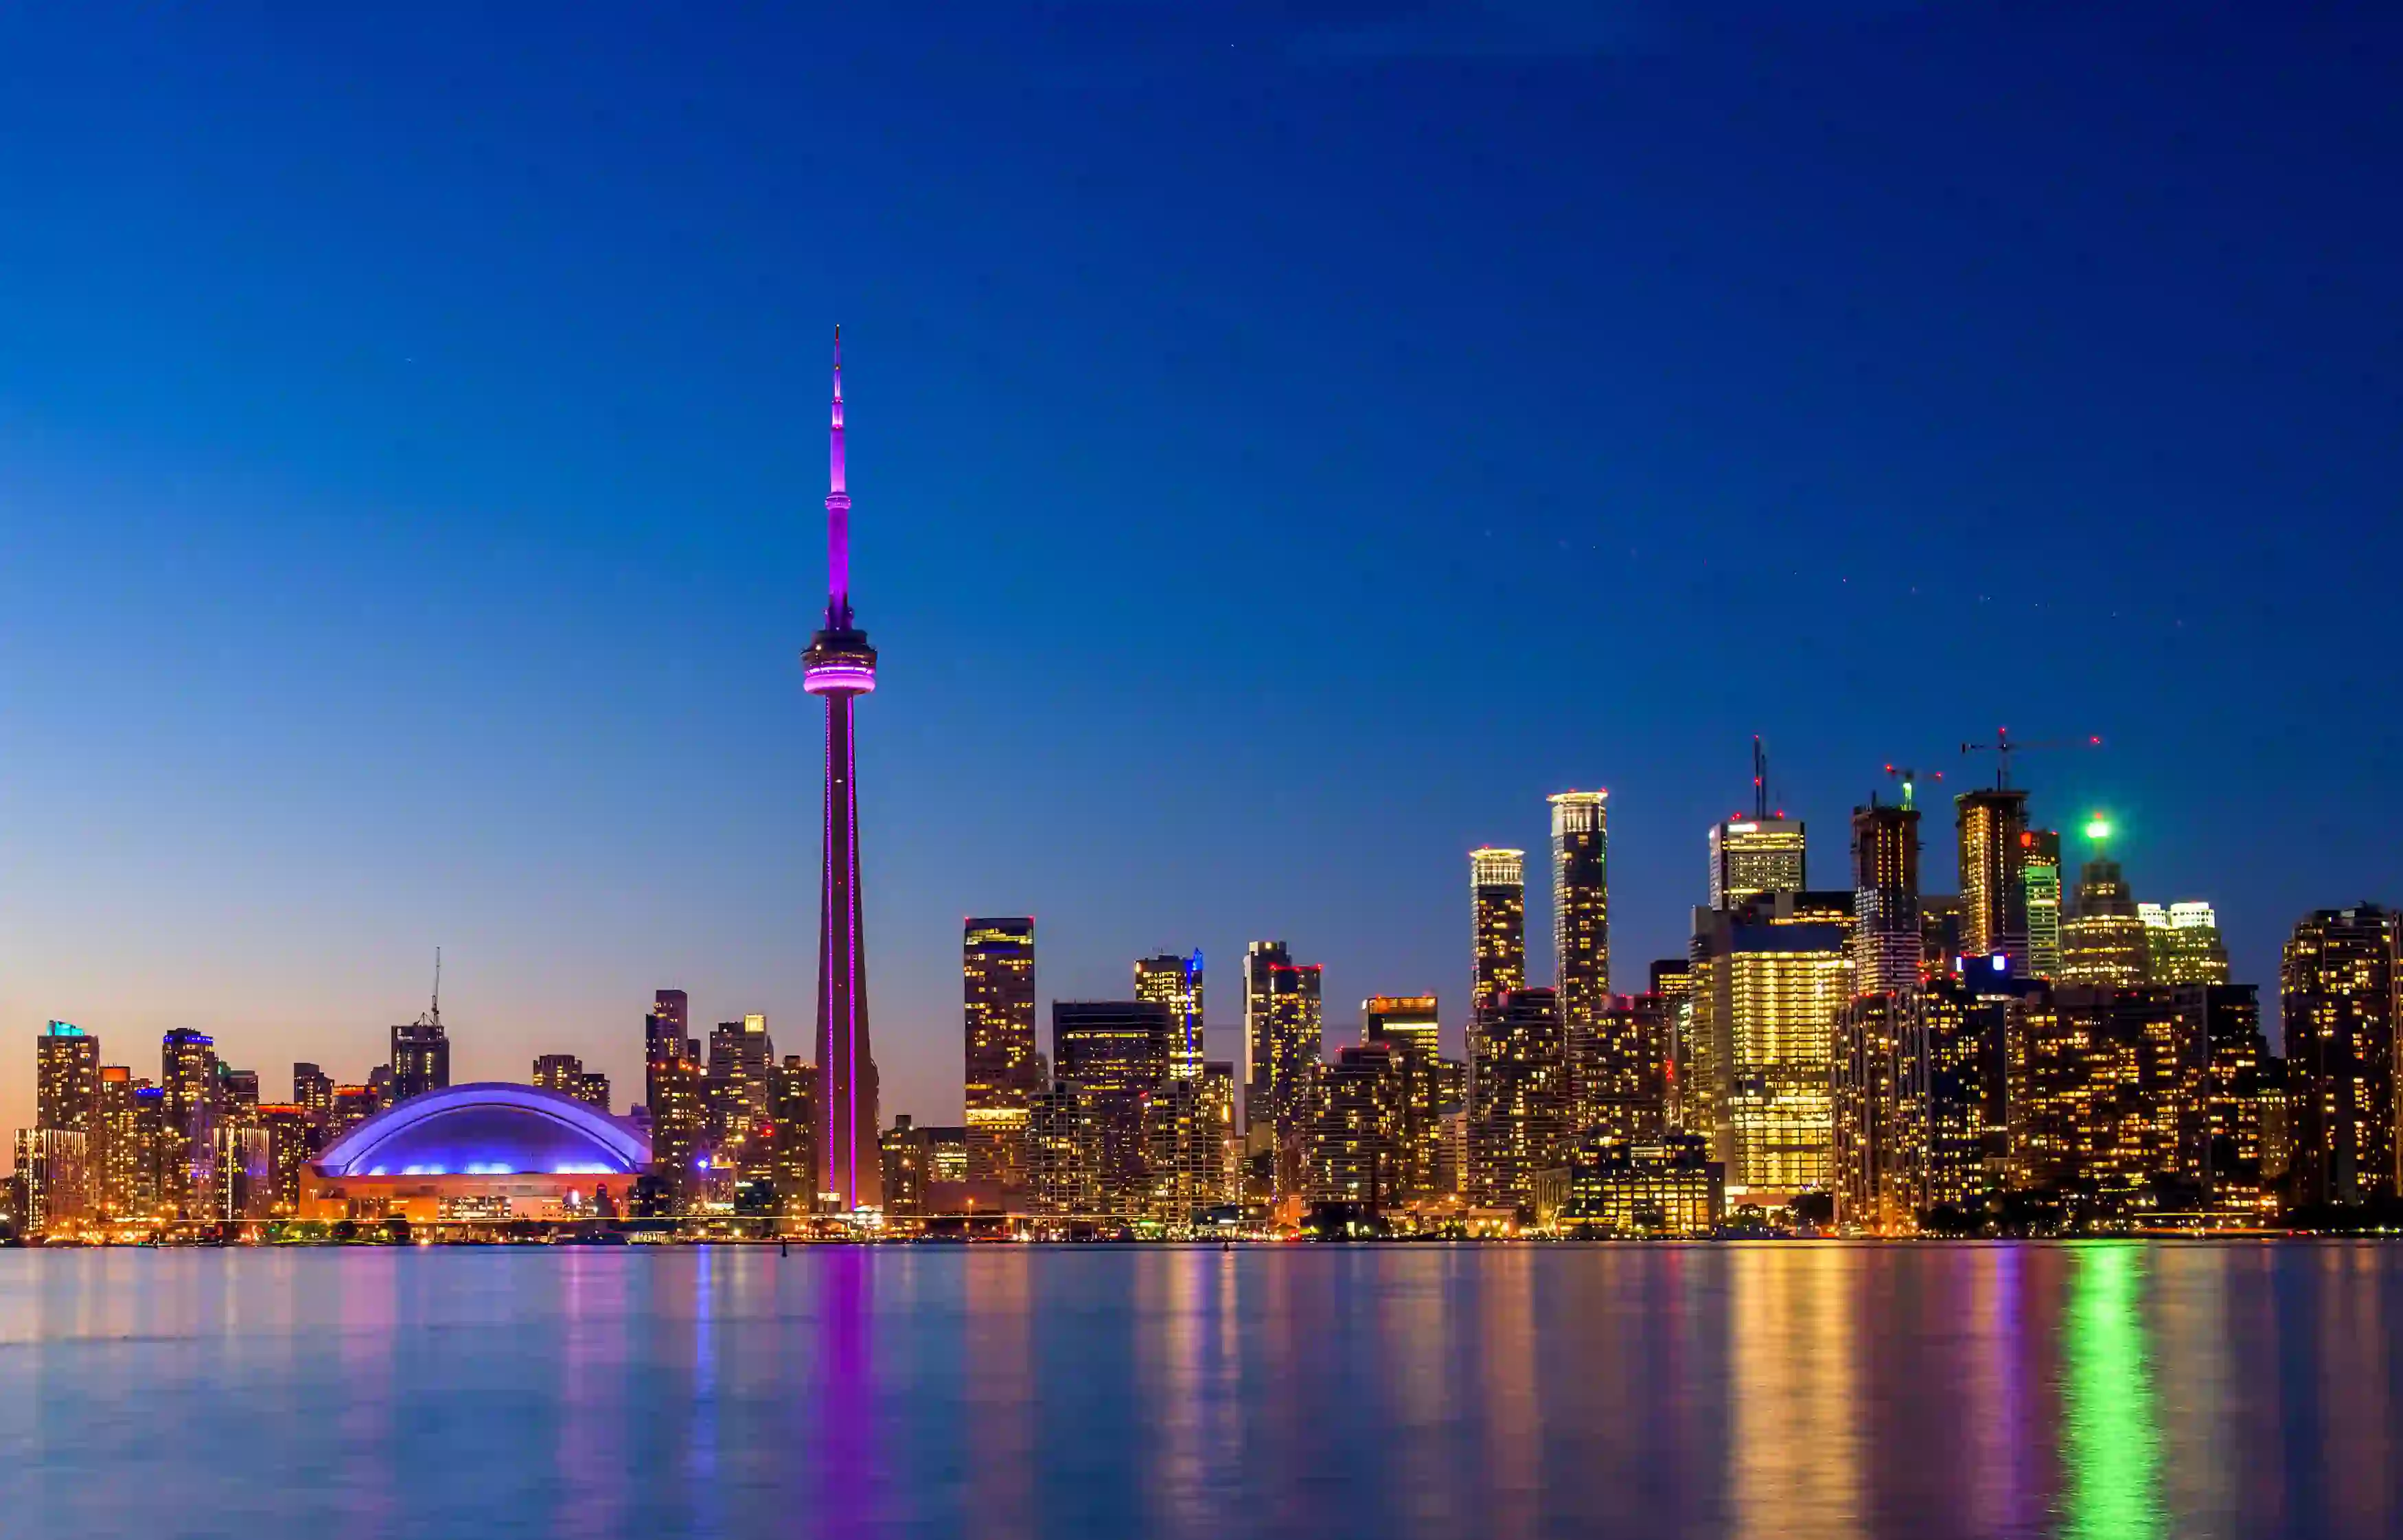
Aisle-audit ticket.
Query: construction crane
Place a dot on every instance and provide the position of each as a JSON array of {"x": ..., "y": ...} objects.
[
  {"x": 2001, "y": 748},
  {"x": 1909, "y": 778}
]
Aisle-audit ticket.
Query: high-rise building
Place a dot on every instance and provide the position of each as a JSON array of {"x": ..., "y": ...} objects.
[
  {"x": 67, "y": 1077},
  {"x": 560, "y": 1071},
  {"x": 421, "y": 1059},
  {"x": 997, "y": 997},
  {"x": 679, "y": 1119},
  {"x": 124, "y": 1174},
  {"x": 1911, "y": 1107},
  {"x": 1763, "y": 1032},
  {"x": 664, "y": 1032},
  {"x": 1176, "y": 982},
  {"x": 188, "y": 1121},
  {"x": 735, "y": 1094},
  {"x": 1750, "y": 856},
  {"x": 903, "y": 1152},
  {"x": 2219, "y": 1028},
  {"x": 1887, "y": 944},
  {"x": 1115, "y": 1053},
  {"x": 1409, "y": 1025},
  {"x": 2101, "y": 1099},
  {"x": 1351, "y": 1139},
  {"x": 291, "y": 1134},
  {"x": 1189, "y": 1130},
  {"x": 245, "y": 1164},
  {"x": 2340, "y": 986},
  {"x": 1581, "y": 902},
  {"x": 1618, "y": 1069},
  {"x": 51, "y": 1170},
  {"x": 1286, "y": 1023},
  {"x": 792, "y": 1138},
  {"x": 2103, "y": 935},
  {"x": 841, "y": 667},
  {"x": 1518, "y": 1097},
  {"x": 592, "y": 1089},
  {"x": 1994, "y": 890},
  {"x": 2040, "y": 881},
  {"x": 2182, "y": 943},
  {"x": 353, "y": 1106},
  {"x": 313, "y": 1089},
  {"x": 1497, "y": 894},
  {"x": 1062, "y": 1166}
]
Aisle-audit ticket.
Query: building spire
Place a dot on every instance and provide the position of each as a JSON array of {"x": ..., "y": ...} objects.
[{"x": 838, "y": 510}]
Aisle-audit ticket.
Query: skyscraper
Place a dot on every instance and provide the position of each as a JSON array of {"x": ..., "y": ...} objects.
[
  {"x": 1116, "y": 1054},
  {"x": 1766, "y": 1001},
  {"x": 793, "y": 1141},
  {"x": 997, "y": 1000},
  {"x": 1994, "y": 892},
  {"x": 67, "y": 1077},
  {"x": 1497, "y": 895},
  {"x": 2183, "y": 944},
  {"x": 1296, "y": 1033},
  {"x": 188, "y": 1124},
  {"x": 2341, "y": 988},
  {"x": 841, "y": 666},
  {"x": 2040, "y": 880},
  {"x": 313, "y": 1089},
  {"x": 1581, "y": 902},
  {"x": 1410, "y": 1026},
  {"x": 1518, "y": 1099},
  {"x": 1750, "y": 856},
  {"x": 1271, "y": 1065},
  {"x": 2103, "y": 935},
  {"x": 560, "y": 1071},
  {"x": 1352, "y": 1137},
  {"x": 1176, "y": 982},
  {"x": 1886, "y": 943}
]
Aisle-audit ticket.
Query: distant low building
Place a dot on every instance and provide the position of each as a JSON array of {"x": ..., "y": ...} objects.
[{"x": 1667, "y": 1188}]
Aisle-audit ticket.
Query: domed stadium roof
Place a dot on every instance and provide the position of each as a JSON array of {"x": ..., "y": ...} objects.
[{"x": 489, "y": 1128}]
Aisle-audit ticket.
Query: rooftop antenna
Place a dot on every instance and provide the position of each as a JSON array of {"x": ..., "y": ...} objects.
[
  {"x": 433, "y": 1017},
  {"x": 1760, "y": 782}
]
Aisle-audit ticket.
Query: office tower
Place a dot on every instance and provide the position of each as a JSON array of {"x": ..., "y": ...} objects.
[
  {"x": 2040, "y": 881},
  {"x": 1750, "y": 856},
  {"x": 1581, "y": 902},
  {"x": 1887, "y": 940},
  {"x": 1062, "y": 1166},
  {"x": 246, "y": 1166},
  {"x": 1665, "y": 1187},
  {"x": 1284, "y": 1026},
  {"x": 2339, "y": 985},
  {"x": 841, "y": 667},
  {"x": 51, "y": 1172},
  {"x": 2100, "y": 1097},
  {"x": 313, "y": 1089},
  {"x": 997, "y": 996},
  {"x": 67, "y": 1077},
  {"x": 1176, "y": 982},
  {"x": 734, "y": 1094},
  {"x": 559, "y": 1072},
  {"x": 1115, "y": 1053},
  {"x": 187, "y": 1141},
  {"x": 1188, "y": 1134},
  {"x": 903, "y": 1156},
  {"x": 1518, "y": 1103},
  {"x": 1497, "y": 896},
  {"x": 1409, "y": 1025},
  {"x": 592, "y": 1088},
  {"x": 2182, "y": 944},
  {"x": 679, "y": 1119},
  {"x": 115, "y": 1148},
  {"x": 663, "y": 1039},
  {"x": 1994, "y": 892},
  {"x": 1352, "y": 1138},
  {"x": 1940, "y": 934},
  {"x": 1766, "y": 997},
  {"x": 1910, "y": 1107},
  {"x": 2218, "y": 1031},
  {"x": 2103, "y": 935},
  {"x": 353, "y": 1106},
  {"x": 793, "y": 1144},
  {"x": 291, "y": 1131},
  {"x": 1618, "y": 1069}
]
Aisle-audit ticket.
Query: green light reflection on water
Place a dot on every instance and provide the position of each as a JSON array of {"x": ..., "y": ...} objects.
[{"x": 2112, "y": 1443}]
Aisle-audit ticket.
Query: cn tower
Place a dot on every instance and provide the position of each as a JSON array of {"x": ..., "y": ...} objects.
[{"x": 841, "y": 666}]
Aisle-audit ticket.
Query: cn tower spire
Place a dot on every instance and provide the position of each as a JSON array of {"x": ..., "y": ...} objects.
[{"x": 838, "y": 510}]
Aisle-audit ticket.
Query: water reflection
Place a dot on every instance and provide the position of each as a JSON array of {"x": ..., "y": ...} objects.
[
  {"x": 2111, "y": 1448},
  {"x": 2119, "y": 1389}
]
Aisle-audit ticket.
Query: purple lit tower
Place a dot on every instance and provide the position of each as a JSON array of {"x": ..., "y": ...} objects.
[{"x": 841, "y": 666}]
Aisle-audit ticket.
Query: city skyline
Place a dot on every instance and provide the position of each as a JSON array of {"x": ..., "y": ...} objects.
[{"x": 476, "y": 630}]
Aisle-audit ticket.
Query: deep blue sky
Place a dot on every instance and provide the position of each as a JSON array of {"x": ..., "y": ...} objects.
[{"x": 1284, "y": 451}]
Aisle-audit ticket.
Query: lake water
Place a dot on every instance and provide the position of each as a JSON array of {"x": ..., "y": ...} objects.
[{"x": 1808, "y": 1390}]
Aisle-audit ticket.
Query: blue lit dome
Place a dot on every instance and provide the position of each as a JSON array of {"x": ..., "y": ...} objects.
[{"x": 488, "y": 1129}]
